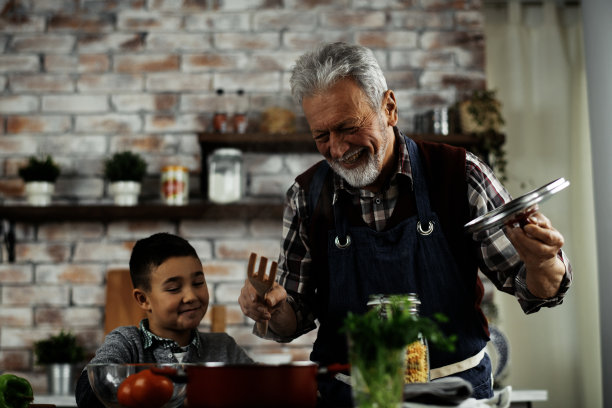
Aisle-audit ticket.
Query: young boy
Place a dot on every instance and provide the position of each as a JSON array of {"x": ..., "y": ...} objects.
[{"x": 169, "y": 285}]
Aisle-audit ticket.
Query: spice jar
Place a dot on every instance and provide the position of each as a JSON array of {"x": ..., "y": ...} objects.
[
  {"x": 175, "y": 185},
  {"x": 219, "y": 121},
  {"x": 417, "y": 352},
  {"x": 225, "y": 175}
]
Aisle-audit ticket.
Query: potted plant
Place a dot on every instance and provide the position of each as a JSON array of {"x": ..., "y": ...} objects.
[
  {"x": 59, "y": 353},
  {"x": 480, "y": 115},
  {"x": 125, "y": 171},
  {"x": 39, "y": 175}
]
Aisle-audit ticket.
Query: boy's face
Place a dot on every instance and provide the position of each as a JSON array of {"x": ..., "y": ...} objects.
[{"x": 178, "y": 298}]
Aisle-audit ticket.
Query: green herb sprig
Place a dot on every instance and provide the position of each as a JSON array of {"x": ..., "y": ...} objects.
[{"x": 369, "y": 333}]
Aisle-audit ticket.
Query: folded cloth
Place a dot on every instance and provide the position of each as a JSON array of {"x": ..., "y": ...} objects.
[
  {"x": 500, "y": 400},
  {"x": 444, "y": 391}
]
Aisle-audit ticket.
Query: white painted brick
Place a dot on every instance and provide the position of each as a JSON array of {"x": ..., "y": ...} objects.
[
  {"x": 229, "y": 292},
  {"x": 75, "y": 103},
  {"x": 109, "y": 83},
  {"x": 70, "y": 231},
  {"x": 270, "y": 185},
  {"x": 18, "y": 104},
  {"x": 298, "y": 163},
  {"x": 15, "y": 317},
  {"x": 266, "y": 229},
  {"x": 83, "y": 63},
  {"x": 141, "y": 20},
  {"x": 217, "y": 22},
  {"x": 217, "y": 61},
  {"x": 246, "y": 41},
  {"x": 42, "y": 252},
  {"x": 41, "y": 83},
  {"x": 19, "y": 63},
  {"x": 274, "y": 60},
  {"x": 254, "y": 82},
  {"x": 15, "y": 273},
  {"x": 24, "y": 337},
  {"x": 279, "y": 20},
  {"x": 174, "y": 123},
  {"x": 175, "y": 82},
  {"x": 83, "y": 316},
  {"x": 263, "y": 163},
  {"x": 35, "y": 295},
  {"x": 38, "y": 124},
  {"x": 240, "y": 249},
  {"x": 235, "y": 5},
  {"x": 88, "y": 295},
  {"x": 46, "y": 43},
  {"x": 70, "y": 273},
  {"x": 133, "y": 230},
  {"x": 32, "y": 24},
  {"x": 213, "y": 228},
  {"x": 219, "y": 271},
  {"x": 109, "y": 42},
  {"x": 111, "y": 122},
  {"x": 305, "y": 41},
  {"x": 179, "y": 42},
  {"x": 102, "y": 251}
]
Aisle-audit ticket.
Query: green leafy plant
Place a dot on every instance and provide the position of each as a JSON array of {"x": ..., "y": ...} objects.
[
  {"x": 40, "y": 169},
  {"x": 481, "y": 116},
  {"x": 60, "y": 348},
  {"x": 125, "y": 166},
  {"x": 378, "y": 349},
  {"x": 371, "y": 334}
]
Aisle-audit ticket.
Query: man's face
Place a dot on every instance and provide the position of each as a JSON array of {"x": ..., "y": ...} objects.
[
  {"x": 178, "y": 298},
  {"x": 356, "y": 140}
]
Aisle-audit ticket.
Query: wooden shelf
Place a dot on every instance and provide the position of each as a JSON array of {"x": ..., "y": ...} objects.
[{"x": 272, "y": 209}]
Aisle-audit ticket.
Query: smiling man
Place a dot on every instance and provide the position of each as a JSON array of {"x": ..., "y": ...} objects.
[{"x": 383, "y": 214}]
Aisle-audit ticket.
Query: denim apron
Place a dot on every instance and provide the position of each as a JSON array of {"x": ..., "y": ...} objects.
[{"x": 412, "y": 256}]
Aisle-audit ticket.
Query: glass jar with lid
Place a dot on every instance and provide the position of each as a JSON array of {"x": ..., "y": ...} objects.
[
  {"x": 417, "y": 352},
  {"x": 225, "y": 175}
]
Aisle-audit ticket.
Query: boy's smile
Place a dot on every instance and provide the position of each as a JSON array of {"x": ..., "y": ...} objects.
[{"x": 178, "y": 298}]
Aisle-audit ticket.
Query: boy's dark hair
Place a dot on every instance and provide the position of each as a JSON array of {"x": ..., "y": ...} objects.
[{"x": 149, "y": 253}]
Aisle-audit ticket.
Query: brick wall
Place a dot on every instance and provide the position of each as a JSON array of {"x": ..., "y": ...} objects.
[{"x": 83, "y": 79}]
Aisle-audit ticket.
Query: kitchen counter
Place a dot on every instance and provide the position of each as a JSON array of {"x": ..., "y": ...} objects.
[{"x": 519, "y": 399}]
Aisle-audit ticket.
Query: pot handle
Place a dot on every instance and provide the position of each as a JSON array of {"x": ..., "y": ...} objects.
[{"x": 334, "y": 368}]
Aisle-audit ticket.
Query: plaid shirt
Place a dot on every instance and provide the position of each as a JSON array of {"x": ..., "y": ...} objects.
[
  {"x": 149, "y": 339},
  {"x": 498, "y": 258}
]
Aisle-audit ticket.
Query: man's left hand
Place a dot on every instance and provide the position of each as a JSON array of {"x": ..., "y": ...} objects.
[{"x": 538, "y": 244}]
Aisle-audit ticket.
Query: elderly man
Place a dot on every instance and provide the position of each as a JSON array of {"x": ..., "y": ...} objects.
[{"x": 385, "y": 214}]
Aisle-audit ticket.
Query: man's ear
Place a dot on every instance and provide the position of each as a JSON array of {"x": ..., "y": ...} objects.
[
  {"x": 389, "y": 107},
  {"x": 142, "y": 299}
]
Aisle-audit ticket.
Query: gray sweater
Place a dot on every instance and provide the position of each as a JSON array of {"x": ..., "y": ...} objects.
[{"x": 126, "y": 345}]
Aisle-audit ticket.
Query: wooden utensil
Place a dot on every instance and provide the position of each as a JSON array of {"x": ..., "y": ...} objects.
[{"x": 261, "y": 282}]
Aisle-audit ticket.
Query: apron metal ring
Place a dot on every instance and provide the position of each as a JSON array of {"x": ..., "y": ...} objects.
[
  {"x": 428, "y": 231},
  {"x": 346, "y": 243}
]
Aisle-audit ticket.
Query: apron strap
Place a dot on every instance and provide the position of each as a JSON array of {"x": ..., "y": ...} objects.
[{"x": 425, "y": 225}]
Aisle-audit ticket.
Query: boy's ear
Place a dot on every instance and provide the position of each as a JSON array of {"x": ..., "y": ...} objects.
[{"x": 142, "y": 299}]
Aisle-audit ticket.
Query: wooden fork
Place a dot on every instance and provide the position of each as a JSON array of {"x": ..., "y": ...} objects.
[{"x": 260, "y": 282}]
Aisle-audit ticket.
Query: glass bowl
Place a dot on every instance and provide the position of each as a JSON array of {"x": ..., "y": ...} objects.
[{"x": 105, "y": 380}]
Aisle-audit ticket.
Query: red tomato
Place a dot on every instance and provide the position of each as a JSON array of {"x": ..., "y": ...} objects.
[{"x": 145, "y": 389}]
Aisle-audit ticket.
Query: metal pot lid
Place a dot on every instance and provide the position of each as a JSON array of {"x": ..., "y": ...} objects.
[{"x": 501, "y": 215}]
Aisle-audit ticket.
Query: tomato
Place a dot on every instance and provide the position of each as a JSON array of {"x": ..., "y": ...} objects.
[{"x": 145, "y": 389}]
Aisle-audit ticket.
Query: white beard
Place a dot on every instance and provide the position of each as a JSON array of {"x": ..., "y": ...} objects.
[{"x": 368, "y": 172}]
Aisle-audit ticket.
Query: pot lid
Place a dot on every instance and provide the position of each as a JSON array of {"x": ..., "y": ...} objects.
[{"x": 501, "y": 215}]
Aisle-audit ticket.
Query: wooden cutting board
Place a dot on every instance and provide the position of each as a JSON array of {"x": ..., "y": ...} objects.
[{"x": 121, "y": 308}]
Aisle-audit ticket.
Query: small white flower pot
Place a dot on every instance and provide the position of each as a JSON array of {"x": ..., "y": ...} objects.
[
  {"x": 125, "y": 193},
  {"x": 39, "y": 193}
]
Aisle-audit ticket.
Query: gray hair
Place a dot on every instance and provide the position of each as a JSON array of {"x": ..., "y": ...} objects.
[{"x": 321, "y": 68}]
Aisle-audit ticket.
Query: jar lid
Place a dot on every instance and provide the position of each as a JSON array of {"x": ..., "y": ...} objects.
[{"x": 227, "y": 151}]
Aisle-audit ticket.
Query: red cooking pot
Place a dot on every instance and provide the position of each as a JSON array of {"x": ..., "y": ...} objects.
[{"x": 221, "y": 385}]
